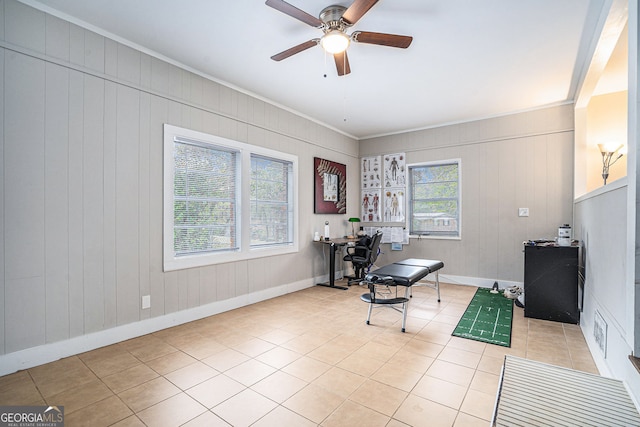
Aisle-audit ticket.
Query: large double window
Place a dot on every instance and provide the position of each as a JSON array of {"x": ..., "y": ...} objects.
[
  {"x": 434, "y": 198},
  {"x": 225, "y": 200}
]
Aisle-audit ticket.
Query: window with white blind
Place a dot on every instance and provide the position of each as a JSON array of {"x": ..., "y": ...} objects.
[
  {"x": 271, "y": 201},
  {"x": 434, "y": 199},
  {"x": 204, "y": 198},
  {"x": 225, "y": 200}
]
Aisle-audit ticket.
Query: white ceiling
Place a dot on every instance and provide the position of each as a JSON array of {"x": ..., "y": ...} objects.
[{"x": 468, "y": 60}]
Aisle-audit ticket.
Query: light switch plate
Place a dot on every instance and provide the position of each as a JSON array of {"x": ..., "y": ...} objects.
[
  {"x": 523, "y": 211},
  {"x": 146, "y": 301}
]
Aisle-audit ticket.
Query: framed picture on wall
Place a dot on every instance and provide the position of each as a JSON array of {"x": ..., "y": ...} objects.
[{"x": 329, "y": 187}]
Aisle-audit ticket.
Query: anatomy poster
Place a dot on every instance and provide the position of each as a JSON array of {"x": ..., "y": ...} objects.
[
  {"x": 395, "y": 170},
  {"x": 371, "y": 172},
  {"x": 370, "y": 204},
  {"x": 394, "y": 204}
]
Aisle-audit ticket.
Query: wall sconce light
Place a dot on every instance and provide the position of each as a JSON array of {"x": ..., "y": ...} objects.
[
  {"x": 611, "y": 153},
  {"x": 353, "y": 223}
]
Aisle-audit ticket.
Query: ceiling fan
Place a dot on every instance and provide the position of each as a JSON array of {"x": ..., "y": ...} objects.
[{"x": 334, "y": 21}]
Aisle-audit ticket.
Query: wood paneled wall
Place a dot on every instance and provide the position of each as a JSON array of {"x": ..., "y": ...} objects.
[
  {"x": 519, "y": 160},
  {"x": 81, "y": 195}
]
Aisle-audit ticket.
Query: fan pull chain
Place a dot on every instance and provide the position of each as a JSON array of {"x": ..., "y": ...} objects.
[
  {"x": 344, "y": 108},
  {"x": 325, "y": 64}
]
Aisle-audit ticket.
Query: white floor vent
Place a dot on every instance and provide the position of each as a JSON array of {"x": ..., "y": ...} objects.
[
  {"x": 600, "y": 332},
  {"x": 538, "y": 394}
]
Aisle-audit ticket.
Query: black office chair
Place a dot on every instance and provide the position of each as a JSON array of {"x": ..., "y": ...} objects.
[{"x": 362, "y": 256}]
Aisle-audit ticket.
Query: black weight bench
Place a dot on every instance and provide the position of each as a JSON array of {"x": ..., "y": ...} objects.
[
  {"x": 433, "y": 266},
  {"x": 403, "y": 273}
]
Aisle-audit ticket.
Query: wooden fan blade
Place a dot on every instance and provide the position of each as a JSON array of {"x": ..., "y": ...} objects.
[
  {"x": 393, "y": 40},
  {"x": 294, "y": 12},
  {"x": 296, "y": 49},
  {"x": 357, "y": 9},
  {"x": 342, "y": 63}
]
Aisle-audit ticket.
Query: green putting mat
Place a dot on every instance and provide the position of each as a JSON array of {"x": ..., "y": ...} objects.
[{"x": 487, "y": 318}]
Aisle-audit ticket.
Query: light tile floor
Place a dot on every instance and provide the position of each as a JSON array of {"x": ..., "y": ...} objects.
[{"x": 303, "y": 359}]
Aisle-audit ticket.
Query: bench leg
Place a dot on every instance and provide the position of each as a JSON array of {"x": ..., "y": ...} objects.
[
  {"x": 369, "y": 313},
  {"x": 438, "y": 284},
  {"x": 405, "y": 307}
]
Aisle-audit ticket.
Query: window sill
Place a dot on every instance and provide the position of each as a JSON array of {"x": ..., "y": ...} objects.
[
  {"x": 204, "y": 260},
  {"x": 433, "y": 237}
]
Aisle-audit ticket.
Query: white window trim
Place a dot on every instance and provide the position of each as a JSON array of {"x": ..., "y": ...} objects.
[
  {"x": 172, "y": 263},
  {"x": 408, "y": 200}
]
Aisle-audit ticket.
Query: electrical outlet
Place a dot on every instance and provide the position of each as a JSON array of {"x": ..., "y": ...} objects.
[
  {"x": 146, "y": 301},
  {"x": 523, "y": 211}
]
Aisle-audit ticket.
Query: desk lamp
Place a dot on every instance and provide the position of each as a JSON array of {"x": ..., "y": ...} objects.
[{"x": 353, "y": 226}]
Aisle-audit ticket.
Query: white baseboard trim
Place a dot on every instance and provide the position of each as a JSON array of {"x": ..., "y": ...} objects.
[{"x": 35, "y": 356}]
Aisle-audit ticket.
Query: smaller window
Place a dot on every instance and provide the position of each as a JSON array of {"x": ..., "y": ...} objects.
[
  {"x": 271, "y": 202},
  {"x": 434, "y": 198}
]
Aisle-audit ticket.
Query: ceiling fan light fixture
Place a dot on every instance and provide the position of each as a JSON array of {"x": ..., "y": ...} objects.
[
  {"x": 334, "y": 21},
  {"x": 335, "y": 41}
]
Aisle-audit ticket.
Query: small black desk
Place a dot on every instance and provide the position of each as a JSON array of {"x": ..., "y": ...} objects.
[{"x": 333, "y": 245}]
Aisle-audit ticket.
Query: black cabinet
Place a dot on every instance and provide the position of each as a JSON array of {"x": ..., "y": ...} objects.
[{"x": 551, "y": 282}]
